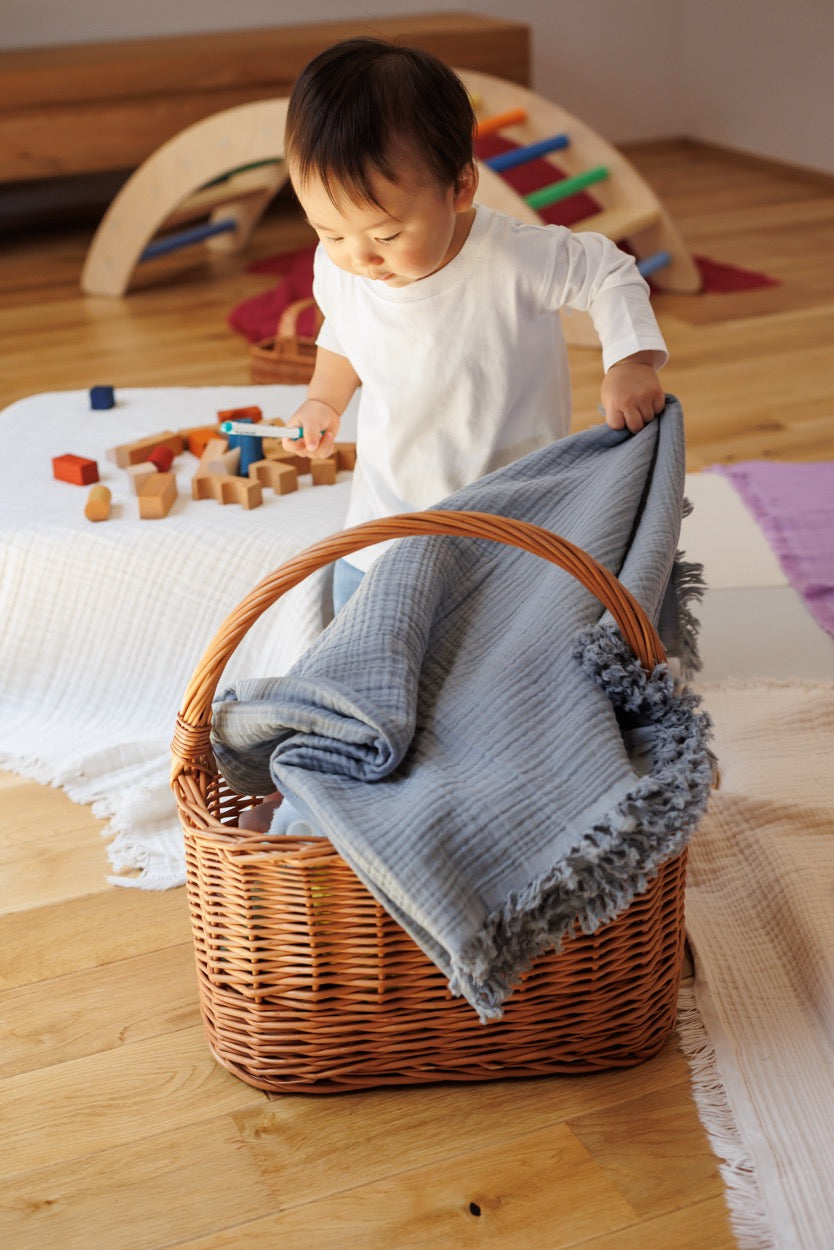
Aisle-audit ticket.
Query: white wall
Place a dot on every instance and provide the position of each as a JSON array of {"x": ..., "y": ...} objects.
[
  {"x": 760, "y": 77},
  {"x": 750, "y": 74}
]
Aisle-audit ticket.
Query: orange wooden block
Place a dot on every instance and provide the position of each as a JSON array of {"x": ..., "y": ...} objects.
[
  {"x": 197, "y": 438},
  {"x": 75, "y": 469},
  {"x": 156, "y": 496},
  {"x": 134, "y": 453},
  {"x": 324, "y": 471},
  {"x": 282, "y": 478}
]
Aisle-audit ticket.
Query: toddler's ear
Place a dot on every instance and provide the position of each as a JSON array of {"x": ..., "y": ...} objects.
[{"x": 466, "y": 188}]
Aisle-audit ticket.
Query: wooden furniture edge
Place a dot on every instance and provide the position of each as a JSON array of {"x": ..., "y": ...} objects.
[{"x": 84, "y": 108}]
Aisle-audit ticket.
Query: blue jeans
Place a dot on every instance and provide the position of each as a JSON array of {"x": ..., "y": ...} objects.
[{"x": 346, "y": 579}]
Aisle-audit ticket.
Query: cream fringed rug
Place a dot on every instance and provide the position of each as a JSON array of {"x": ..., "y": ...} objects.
[{"x": 760, "y": 920}]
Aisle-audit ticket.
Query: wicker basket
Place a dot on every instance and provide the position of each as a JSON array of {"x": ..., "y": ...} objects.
[
  {"x": 288, "y": 357},
  {"x": 307, "y": 984}
]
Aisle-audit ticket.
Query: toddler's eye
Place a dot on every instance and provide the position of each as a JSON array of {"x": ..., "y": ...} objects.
[{"x": 391, "y": 239}]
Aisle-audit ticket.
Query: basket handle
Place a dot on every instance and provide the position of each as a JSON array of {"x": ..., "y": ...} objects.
[
  {"x": 288, "y": 321},
  {"x": 191, "y": 747}
]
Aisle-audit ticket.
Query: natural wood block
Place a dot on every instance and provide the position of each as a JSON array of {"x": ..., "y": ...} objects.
[
  {"x": 156, "y": 498},
  {"x": 226, "y": 464},
  {"x": 345, "y": 455},
  {"x": 139, "y": 474},
  {"x": 227, "y": 489},
  {"x": 273, "y": 450},
  {"x": 133, "y": 453},
  {"x": 281, "y": 478},
  {"x": 97, "y": 507},
  {"x": 213, "y": 450},
  {"x": 324, "y": 471}
]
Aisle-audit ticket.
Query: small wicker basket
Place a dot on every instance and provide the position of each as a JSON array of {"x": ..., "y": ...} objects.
[
  {"x": 308, "y": 985},
  {"x": 287, "y": 358}
]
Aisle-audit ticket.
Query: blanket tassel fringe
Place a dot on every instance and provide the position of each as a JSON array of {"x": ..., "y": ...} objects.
[{"x": 747, "y": 1213}]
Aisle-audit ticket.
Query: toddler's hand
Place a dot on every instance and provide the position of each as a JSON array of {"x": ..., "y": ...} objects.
[
  {"x": 631, "y": 394},
  {"x": 319, "y": 425}
]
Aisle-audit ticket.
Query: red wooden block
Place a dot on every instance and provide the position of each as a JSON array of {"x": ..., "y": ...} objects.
[
  {"x": 162, "y": 457},
  {"x": 76, "y": 469}
]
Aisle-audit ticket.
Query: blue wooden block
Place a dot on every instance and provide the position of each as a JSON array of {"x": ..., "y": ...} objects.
[
  {"x": 251, "y": 450},
  {"x": 102, "y": 397}
]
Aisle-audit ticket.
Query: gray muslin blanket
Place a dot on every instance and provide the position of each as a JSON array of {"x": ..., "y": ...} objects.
[{"x": 471, "y": 732}]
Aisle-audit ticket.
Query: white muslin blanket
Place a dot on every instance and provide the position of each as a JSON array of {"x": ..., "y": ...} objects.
[
  {"x": 461, "y": 731},
  {"x": 102, "y": 625}
]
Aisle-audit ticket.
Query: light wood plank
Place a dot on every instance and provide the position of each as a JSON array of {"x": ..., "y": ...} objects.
[
  {"x": 285, "y": 1135},
  {"x": 508, "y": 1194},
  {"x": 98, "y": 1009},
  {"x": 39, "y": 867},
  {"x": 136, "y": 1196},
  {"x": 89, "y": 931},
  {"x": 107, "y": 1100},
  {"x": 644, "y": 1144}
]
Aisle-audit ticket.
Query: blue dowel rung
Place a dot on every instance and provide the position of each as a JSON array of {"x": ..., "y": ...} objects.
[
  {"x": 183, "y": 238},
  {"x": 658, "y": 260},
  {"x": 520, "y": 156}
]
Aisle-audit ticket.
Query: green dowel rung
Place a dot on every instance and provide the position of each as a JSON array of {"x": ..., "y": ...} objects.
[{"x": 566, "y": 187}]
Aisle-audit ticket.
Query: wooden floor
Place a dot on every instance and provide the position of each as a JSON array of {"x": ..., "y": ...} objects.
[{"x": 118, "y": 1130}]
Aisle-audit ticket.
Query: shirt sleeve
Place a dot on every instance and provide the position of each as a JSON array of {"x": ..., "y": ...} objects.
[
  {"x": 592, "y": 274},
  {"x": 323, "y": 294}
]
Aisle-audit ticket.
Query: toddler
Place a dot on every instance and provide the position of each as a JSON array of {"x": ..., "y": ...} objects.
[{"x": 445, "y": 312}]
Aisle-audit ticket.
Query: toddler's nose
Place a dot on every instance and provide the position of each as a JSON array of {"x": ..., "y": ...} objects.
[{"x": 365, "y": 256}]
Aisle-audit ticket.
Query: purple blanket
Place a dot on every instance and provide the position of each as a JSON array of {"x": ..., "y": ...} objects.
[{"x": 794, "y": 505}]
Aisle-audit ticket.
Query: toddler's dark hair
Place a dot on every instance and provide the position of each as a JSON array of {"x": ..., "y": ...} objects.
[{"x": 359, "y": 103}]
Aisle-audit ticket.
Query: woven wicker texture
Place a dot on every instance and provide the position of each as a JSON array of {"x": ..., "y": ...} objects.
[
  {"x": 306, "y": 983},
  {"x": 288, "y": 358}
]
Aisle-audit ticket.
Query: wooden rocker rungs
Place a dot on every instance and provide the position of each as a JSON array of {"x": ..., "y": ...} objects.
[
  {"x": 174, "y": 185},
  {"x": 629, "y": 210}
]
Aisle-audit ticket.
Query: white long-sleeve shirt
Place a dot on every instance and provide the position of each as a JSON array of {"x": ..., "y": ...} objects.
[{"x": 466, "y": 370}]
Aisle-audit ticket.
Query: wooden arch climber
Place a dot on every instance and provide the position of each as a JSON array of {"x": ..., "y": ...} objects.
[
  {"x": 225, "y": 168},
  {"x": 229, "y": 166},
  {"x": 629, "y": 211}
]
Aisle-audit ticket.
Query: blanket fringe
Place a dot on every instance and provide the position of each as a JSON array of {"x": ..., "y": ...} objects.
[{"x": 744, "y": 1199}]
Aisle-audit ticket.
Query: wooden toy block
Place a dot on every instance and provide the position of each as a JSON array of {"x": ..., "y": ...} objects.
[
  {"x": 197, "y": 438},
  {"x": 157, "y": 496},
  {"x": 102, "y": 397},
  {"x": 214, "y": 449},
  {"x": 345, "y": 454},
  {"x": 75, "y": 469},
  {"x": 161, "y": 458},
  {"x": 225, "y": 490},
  {"x": 274, "y": 451},
  {"x": 134, "y": 453},
  {"x": 324, "y": 471},
  {"x": 252, "y": 413},
  {"x": 227, "y": 464},
  {"x": 97, "y": 507},
  {"x": 139, "y": 473},
  {"x": 282, "y": 478}
]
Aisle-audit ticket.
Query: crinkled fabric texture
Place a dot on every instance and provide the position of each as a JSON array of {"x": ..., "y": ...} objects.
[{"x": 464, "y": 731}]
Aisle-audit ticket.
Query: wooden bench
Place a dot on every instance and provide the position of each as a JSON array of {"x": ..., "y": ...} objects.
[{"x": 85, "y": 108}]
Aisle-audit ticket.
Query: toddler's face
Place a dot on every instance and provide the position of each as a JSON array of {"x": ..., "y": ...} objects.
[{"x": 418, "y": 231}]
